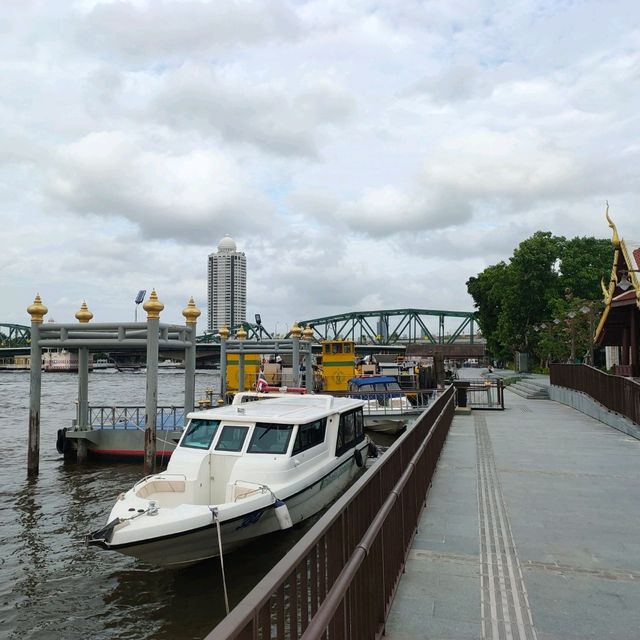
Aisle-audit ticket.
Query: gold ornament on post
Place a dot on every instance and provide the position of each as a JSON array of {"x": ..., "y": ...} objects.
[
  {"x": 308, "y": 332},
  {"x": 191, "y": 312},
  {"x": 84, "y": 315},
  {"x": 223, "y": 332},
  {"x": 296, "y": 331},
  {"x": 37, "y": 310},
  {"x": 153, "y": 306},
  {"x": 241, "y": 334}
]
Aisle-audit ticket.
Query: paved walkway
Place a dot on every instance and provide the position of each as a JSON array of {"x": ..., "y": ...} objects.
[{"x": 531, "y": 531}]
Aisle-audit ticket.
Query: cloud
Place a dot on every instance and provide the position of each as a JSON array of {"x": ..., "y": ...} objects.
[
  {"x": 163, "y": 29},
  {"x": 165, "y": 194}
]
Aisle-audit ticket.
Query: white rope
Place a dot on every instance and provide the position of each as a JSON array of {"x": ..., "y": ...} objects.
[{"x": 214, "y": 511}]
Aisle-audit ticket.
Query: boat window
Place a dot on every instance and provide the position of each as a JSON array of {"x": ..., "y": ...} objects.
[
  {"x": 231, "y": 438},
  {"x": 336, "y": 348},
  {"x": 200, "y": 433},
  {"x": 350, "y": 431},
  {"x": 270, "y": 438},
  {"x": 309, "y": 435},
  {"x": 347, "y": 348}
]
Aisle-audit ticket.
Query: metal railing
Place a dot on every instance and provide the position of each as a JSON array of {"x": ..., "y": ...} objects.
[
  {"x": 615, "y": 393},
  {"x": 132, "y": 417},
  {"x": 481, "y": 393},
  {"x": 340, "y": 578}
]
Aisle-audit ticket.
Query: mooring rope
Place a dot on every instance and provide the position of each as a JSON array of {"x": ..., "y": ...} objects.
[{"x": 214, "y": 511}]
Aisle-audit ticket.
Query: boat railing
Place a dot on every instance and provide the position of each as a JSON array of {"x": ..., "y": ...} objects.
[
  {"x": 339, "y": 580},
  {"x": 382, "y": 402},
  {"x": 133, "y": 417}
]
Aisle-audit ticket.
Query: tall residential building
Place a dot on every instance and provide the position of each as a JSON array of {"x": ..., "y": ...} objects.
[{"x": 227, "y": 286}]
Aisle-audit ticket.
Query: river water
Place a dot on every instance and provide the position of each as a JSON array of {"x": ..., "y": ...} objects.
[{"x": 51, "y": 584}]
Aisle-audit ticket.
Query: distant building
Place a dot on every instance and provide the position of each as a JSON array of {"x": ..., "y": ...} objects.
[{"x": 227, "y": 286}]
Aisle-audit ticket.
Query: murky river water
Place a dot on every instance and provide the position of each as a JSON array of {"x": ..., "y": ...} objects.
[{"x": 51, "y": 584}]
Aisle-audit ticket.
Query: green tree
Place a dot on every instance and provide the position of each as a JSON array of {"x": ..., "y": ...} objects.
[{"x": 583, "y": 263}]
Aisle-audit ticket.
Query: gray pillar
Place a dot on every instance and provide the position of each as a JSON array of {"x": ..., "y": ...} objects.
[
  {"x": 191, "y": 314},
  {"x": 241, "y": 367},
  {"x": 33, "y": 455},
  {"x": 153, "y": 307},
  {"x": 190, "y": 372},
  {"x": 308, "y": 370},
  {"x": 83, "y": 388},
  {"x": 295, "y": 359},
  {"x": 224, "y": 334}
]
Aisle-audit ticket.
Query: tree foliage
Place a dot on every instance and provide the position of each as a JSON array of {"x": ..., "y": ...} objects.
[{"x": 547, "y": 278}]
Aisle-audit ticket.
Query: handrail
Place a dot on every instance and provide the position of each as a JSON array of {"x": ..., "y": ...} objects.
[
  {"x": 617, "y": 394},
  {"x": 379, "y": 512}
]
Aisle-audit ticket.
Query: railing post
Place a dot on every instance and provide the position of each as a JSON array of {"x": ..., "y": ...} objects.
[{"x": 224, "y": 334}]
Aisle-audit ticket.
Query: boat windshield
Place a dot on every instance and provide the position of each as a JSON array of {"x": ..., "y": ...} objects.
[
  {"x": 270, "y": 438},
  {"x": 200, "y": 433}
]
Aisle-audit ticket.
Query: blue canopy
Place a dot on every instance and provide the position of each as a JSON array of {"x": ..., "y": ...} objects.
[{"x": 372, "y": 380}]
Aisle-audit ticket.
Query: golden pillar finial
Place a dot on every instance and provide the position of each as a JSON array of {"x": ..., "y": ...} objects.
[
  {"x": 37, "y": 310},
  {"x": 296, "y": 331},
  {"x": 615, "y": 240},
  {"x": 307, "y": 334},
  {"x": 191, "y": 312},
  {"x": 224, "y": 332},
  {"x": 84, "y": 315},
  {"x": 153, "y": 306},
  {"x": 241, "y": 334}
]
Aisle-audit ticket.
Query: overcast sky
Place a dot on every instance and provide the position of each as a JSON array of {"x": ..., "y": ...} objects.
[{"x": 363, "y": 154}]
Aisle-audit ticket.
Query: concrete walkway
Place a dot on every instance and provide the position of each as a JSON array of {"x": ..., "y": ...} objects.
[{"x": 531, "y": 531}]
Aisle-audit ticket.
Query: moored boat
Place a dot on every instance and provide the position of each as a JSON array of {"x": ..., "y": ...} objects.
[
  {"x": 387, "y": 408},
  {"x": 241, "y": 470}
]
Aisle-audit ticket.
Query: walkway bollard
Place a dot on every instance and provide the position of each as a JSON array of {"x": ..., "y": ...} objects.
[
  {"x": 37, "y": 311},
  {"x": 153, "y": 307}
]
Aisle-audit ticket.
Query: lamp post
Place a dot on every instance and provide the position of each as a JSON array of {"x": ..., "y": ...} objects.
[
  {"x": 139, "y": 298},
  {"x": 589, "y": 309},
  {"x": 572, "y": 357}
]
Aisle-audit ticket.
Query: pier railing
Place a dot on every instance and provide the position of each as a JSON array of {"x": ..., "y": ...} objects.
[
  {"x": 617, "y": 394},
  {"x": 133, "y": 417},
  {"x": 340, "y": 578}
]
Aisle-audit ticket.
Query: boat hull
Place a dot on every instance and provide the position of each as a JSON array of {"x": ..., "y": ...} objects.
[{"x": 200, "y": 544}]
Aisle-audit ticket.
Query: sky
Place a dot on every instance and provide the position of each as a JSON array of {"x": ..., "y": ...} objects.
[{"x": 363, "y": 154}]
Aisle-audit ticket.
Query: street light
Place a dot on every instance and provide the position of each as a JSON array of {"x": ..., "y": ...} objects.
[
  {"x": 139, "y": 298},
  {"x": 589, "y": 309},
  {"x": 571, "y": 315},
  {"x": 624, "y": 283}
]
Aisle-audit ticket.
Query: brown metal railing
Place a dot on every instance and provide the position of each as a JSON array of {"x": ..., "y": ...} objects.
[
  {"x": 340, "y": 578},
  {"x": 615, "y": 393}
]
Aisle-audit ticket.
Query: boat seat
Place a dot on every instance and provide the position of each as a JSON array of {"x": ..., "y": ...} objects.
[{"x": 161, "y": 486}]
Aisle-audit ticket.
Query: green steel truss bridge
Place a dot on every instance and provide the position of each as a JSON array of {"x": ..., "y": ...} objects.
[
  {"x": 393, "y": 326},
  {"x": 14, "y": 335},
  {"x": 387, "y": 326}
]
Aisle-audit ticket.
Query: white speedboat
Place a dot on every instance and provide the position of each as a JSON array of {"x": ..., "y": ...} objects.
[
  {"x": 241, "y": 471},
  {"x": 387, "y": 408}
]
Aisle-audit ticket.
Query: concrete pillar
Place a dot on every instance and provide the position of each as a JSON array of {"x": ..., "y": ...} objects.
[
  {"x": 241, "y": 335},
  {"x": 308, "y": 364},
  {"x": 153, "y": 307},
  {"x": 83, "y": 316},
  {"x": 191, "y": 314},
  {"x": 296, "y": 332},
  {"x": 37, "y": 311},
  {"x": 224, "y": 335}
]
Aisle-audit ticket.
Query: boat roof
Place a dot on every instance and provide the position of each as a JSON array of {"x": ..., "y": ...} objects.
[
  {"x": 372, "y": 380},
  {"x": 294, "y": 409}
]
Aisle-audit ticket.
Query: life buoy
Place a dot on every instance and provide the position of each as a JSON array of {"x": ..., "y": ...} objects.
[{"x": 357, "y": 454}]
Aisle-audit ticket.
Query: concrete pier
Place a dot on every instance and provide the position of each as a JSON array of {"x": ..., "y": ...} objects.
[{"x": 530, "y": 531}]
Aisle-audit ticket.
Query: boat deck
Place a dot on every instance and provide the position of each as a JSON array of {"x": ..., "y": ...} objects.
[{"x": 530, "y": 531}]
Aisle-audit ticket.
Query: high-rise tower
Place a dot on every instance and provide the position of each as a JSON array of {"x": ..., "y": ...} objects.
[{"x": 227, "y": 286}]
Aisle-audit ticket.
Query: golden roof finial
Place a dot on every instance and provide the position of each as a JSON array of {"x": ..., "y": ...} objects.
[
  {"x": 191, "y": 312},
  {"x": 84, "y": 315},
  {"x": 37, "y": 310},
  {"x": 615, "y": 240},
  {"x": 153, "y": 306}
]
